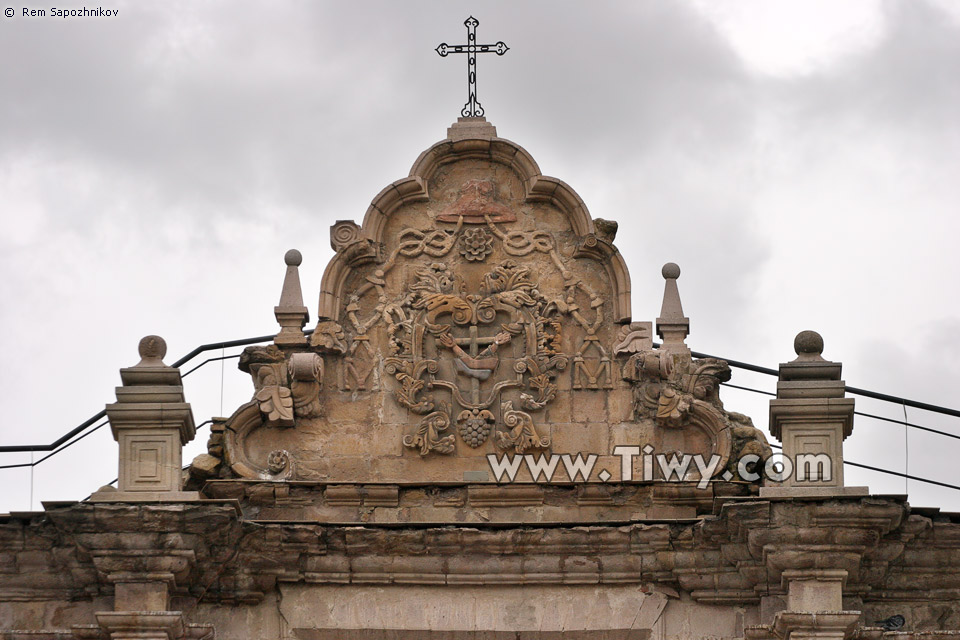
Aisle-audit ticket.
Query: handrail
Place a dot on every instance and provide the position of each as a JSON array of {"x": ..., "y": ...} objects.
[
  {"x": 24, "y": 448},
  {"x": 854, "y": 390},
  {"x": 248, "y": 341},
  {"x": 56, "y": 443}
]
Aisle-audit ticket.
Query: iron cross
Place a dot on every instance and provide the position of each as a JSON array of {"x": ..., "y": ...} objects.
[{"x": 472, "y": 109}]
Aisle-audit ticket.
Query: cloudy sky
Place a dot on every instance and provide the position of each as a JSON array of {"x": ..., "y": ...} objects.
[{"x": 799, "y": 160}]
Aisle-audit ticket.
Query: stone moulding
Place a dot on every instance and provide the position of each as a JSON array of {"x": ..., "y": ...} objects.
[
  {"x": 742, "y": 553},
  {"x": 518, "y": 503},
  {"x": 539, "y": 188}
]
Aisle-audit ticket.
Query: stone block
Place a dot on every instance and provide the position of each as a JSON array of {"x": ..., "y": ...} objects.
[
  {"x": 585, "y": 438},
  {"x": 589, "y": 406},
  {"x": 811, "y": 591},
  {"x": 141, "y": 596}
]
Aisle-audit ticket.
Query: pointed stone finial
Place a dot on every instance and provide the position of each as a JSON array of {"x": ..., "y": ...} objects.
[
  {"x": 291, "y": 314},
  {"x": 672, "y": 326}
]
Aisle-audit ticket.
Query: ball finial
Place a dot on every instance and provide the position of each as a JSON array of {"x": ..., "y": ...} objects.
[
  {"x": 670, "y": 271},
  {"x": 152, "y": 348},
  {"x": 293, "y": 258},
  {"x": 808, "y": 343}
]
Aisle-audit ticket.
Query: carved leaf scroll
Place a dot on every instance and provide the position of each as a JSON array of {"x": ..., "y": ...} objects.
[{"x": 428, "y": 436}]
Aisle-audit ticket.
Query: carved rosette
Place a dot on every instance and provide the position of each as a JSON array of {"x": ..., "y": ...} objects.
[
  {"x": 242, "y": 457},
  {"x": 344, "y": 233},
  {"x": 476, "y": 244}
]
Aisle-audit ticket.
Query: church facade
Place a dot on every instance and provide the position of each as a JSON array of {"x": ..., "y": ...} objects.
[{"x": 475, "y": 439}]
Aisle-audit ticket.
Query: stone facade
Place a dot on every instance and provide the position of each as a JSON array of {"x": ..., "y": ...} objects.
[{"x": 479, "y": 316}]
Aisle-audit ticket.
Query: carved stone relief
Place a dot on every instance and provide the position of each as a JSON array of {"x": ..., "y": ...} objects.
[
  {"x": 452, "y": 342},
  {"x": 473, "y": 314},
  {"x": 681, "y": 394},
  {"x": 286, "y": 388},
  {"x": 456, "y": 342}
]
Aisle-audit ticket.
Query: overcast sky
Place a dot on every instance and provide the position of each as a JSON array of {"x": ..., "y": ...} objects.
[{"x": 799, "y": 160}]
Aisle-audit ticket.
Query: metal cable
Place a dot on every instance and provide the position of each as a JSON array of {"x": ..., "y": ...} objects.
[{"x": 892, "y": 473}]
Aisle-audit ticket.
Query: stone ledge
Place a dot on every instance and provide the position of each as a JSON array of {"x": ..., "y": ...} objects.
[
  {"x": 813, "y": 492},
  {"x": 146, "y": 496},
  {"x": 475, "y": 503}
]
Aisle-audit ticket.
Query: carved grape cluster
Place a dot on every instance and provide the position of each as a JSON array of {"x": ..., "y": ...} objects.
[{"x": 474, "y": 426}]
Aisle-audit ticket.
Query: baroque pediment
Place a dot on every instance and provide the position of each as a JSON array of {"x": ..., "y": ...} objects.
[{"x": 477, "y": 309}]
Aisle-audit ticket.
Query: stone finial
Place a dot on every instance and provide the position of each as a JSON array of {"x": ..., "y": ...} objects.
[
  {"x": 152, "y": 350},
  {"x": 811, "y": 365},
  {"x": 291, "y": 314},
  {"x": 151, "y": 421},
  {"x": 672, "y": 326},
  {"x": 151, "y": 370},
  {"x": 808, "y": 346},
  {"x": 812, "y": 418}
]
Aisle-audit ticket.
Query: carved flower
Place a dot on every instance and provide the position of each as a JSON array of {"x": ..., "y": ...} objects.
[
  {"x": 476, "y": 244},
  {"x": 277, "y": 461}
]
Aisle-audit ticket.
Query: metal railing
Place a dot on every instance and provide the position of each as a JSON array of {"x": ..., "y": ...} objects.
[{"x": 84, "y": 429}]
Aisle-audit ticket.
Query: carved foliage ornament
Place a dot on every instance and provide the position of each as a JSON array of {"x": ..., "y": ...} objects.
[
  {"x": 458, "y": 340},
  {"x": 679, "y": 392},
  {"x": 284, "y": 388},
  {"x": 472, "y": 347}
]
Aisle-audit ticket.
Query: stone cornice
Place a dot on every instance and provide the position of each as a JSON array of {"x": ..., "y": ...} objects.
[{"x": 207, "y": 550}]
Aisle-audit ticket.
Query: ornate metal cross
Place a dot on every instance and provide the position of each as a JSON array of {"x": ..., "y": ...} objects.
[{"x": 472, "y": 109}]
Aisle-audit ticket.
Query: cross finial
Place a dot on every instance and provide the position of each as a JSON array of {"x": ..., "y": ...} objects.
[{"x": 472, "y": 108}]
